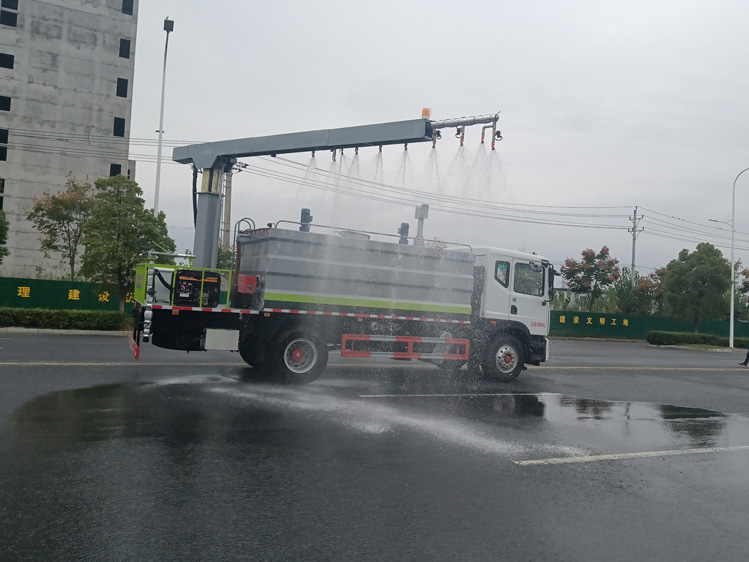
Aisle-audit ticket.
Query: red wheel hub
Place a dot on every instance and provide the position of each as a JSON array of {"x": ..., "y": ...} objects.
[
  {"x": 507, "y": 358},
  {"x": 297, "y": 354}
]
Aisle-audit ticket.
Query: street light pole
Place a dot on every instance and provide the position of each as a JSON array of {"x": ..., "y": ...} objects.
[
  {"x": 168, "y": 27},
  {"x": 733, "y": 273}
]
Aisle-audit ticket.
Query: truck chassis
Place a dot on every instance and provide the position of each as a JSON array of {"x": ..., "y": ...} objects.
[{"x": 293, "y": 344}]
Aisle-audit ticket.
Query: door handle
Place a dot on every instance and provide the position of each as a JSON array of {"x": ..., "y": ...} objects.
[{"x": 513, "y": 309}]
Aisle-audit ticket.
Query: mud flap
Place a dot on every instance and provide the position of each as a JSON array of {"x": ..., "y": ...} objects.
[{"x": 134, "y": 347}]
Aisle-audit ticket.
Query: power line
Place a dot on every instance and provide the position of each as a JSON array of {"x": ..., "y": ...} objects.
[
  {"x": 661, "y": 234},
  {"x": 676, "y": 228}
]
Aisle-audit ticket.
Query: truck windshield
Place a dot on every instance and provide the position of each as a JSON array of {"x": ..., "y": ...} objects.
[{"x": 529, "y": 280}]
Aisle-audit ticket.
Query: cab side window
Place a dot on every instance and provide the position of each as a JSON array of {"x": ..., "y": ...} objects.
[
  {"x": 529, "y": 280},
  {"x": 502, "y": 272}
]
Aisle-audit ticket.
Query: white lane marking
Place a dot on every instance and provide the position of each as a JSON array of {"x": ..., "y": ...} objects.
[
  {"x": 624, "y": 368},
  {"x": 133, "y": 363},
  {"x": 136, "y": 363},
  {"x": 471, "y": 395},
  {"x": 625, "y": 456}
]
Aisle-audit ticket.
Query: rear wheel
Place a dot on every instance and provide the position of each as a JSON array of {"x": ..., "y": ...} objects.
[
  {"x": 504, "y": 359},
  {"x": 299, "y": 358}
]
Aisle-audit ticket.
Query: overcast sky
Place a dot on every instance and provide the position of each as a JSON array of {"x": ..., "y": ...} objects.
[{"x": 604, "y": 106}]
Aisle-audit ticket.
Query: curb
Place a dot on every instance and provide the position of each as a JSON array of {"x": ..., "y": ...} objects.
[{"x": 64, "y": 332}]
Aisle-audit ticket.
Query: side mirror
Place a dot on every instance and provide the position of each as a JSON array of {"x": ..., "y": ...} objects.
[{"x": 552, "y": 274}]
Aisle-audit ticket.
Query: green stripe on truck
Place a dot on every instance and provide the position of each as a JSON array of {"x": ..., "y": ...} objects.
[{"x": 367, "y": 303}]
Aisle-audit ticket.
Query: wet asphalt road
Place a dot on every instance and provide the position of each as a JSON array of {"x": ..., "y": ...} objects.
[{"x": 184, "y": 457}]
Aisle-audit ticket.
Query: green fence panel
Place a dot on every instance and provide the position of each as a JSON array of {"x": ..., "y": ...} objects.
[
  {"x": 80, "y": 295},
  {"x": 56, "y": 295},
  {"x": 590, "y": 324},
  {"x": 593, "y": 324}
]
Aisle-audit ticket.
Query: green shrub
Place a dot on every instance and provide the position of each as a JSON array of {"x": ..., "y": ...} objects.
[
  {"x": 62, "y": 319},
  {"x": 687, "y": 338}
]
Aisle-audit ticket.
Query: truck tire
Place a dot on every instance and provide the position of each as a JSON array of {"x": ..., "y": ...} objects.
[
  {"x": 504, "y": 359},
  {"x": 298, "y": 357}
]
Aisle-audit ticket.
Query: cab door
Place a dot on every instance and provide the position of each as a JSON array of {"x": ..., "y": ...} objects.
[
  {"x": 528, "y": 301},
  {"x": 496, "y": 294}
]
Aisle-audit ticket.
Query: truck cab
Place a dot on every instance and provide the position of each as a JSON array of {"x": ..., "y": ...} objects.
[
  {"x": 512, "y": 294},
  {"x": 517, "y": 288}
]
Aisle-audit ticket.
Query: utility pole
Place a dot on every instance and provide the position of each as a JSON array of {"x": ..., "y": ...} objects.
[
  {"x": 226, "y": 240},
  {"x": 168, "y": 27},
  {"x": 635, "y": 232}
]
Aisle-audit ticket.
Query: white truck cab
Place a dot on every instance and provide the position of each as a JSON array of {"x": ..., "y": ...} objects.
[{"x": 518, "y": 287}]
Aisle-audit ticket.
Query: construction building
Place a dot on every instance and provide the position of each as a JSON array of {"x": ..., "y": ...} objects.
[{"x": 66, "y": 82}]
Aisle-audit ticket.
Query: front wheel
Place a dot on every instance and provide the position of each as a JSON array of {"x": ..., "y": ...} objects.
[
  {"x": 299, "y": 358},
  {"x": 504, "y": 359}
]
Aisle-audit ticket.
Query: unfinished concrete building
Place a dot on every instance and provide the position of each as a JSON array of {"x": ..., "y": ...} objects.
[{"x": 66, "y": 80}]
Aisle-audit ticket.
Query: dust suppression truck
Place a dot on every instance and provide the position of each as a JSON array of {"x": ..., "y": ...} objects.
[{"x": 295, "y": 295}]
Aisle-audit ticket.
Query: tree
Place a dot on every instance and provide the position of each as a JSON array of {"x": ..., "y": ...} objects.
[
  {"x": 659, "y": 301},
  {"x": 225, "y": 258},
  {"x": 696, "y": 285},
  {"x": 637, "y": 299},
  {"x": 592, "y": 274},
  {"x": 741, "y": 298},
  {"x": 3, "y": 236},
  {"x": 119, "y": 234},
  {"x": 437, "y": 243},
  {"x": 60, "y": 219}
]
